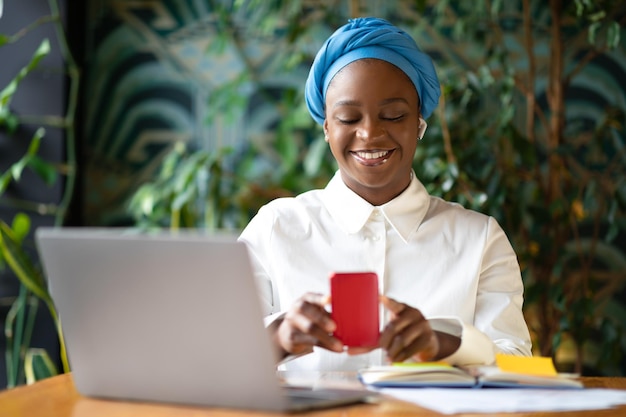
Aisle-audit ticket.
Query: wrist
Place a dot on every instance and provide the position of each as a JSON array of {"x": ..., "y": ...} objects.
[
  {"x": 273, "y": 328},
  {"x": 448, "y": 344}
]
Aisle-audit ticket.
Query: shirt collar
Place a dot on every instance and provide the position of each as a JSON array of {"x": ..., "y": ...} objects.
[{"x": 351, "y": 212}]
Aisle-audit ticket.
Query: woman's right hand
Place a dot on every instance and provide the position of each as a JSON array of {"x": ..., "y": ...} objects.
[{"x": 304, "y": 325}]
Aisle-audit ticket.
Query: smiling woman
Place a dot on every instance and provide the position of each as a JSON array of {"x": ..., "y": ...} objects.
[
  {"x": 449, "y": 280},
  {"x": 373, "y": 132}
]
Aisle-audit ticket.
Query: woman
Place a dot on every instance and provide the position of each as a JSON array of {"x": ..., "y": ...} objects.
[{"x": 449, "y": 280}]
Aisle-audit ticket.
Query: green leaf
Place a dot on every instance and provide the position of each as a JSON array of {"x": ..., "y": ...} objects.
[
  {"x": 5, "y": 180},
  {"x": 15, "y": 170},
  {"x": 33, "y": 148},
  {"x": 18, "y": 167},
  {"x": 3, "y": 39},
  {"x": 9, "y": 90},
  {"x": 593, "y": 28},
  {"x": 597, "y": 16},
  {"x": 183, "y": 198},
  {"x": 38, "y": 365},
  {"x": 142, "y": 203},
  {"x": 40, "y": 53},
  {"x": 168, "y": 166},
  {"x": 21, "y": 265},
  {"x": 287, "y": 148},
  {"x": 496, "y": 7},
  {"x": 579, "y": 8},
  {"x": 13, "y": 332},
  {"x": 8, "y": 119},
  {"x": 21, "y": 226},
  {"x": 613, "y": 35},
  {"x": 315, "y": 157},
  {"x": 7, "y": 93},
  {"x": 45, "y": 170}
]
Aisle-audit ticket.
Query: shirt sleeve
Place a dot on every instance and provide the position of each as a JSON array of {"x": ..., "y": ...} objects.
[
  {"x": 255, "y": 240},
  {"x": 475, "y": 349},
  {"x": 498, "y": 325},
  {"x": 500, "y": 296}
]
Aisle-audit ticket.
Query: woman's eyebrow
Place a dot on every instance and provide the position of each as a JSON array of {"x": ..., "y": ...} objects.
[
  {"x": 347, "y": 103},
  {"x": 393, "y": 100},
  {"x": 382, "y": 103}
]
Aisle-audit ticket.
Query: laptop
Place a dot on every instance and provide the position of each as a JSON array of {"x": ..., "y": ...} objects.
[{"x": 171, "y": 318}]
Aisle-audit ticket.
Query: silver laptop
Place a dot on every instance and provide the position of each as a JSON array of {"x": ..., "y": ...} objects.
[{"x": 171, "y": 318}]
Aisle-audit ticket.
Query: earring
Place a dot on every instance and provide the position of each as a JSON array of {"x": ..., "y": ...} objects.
[{"x": 421, "y": 129}]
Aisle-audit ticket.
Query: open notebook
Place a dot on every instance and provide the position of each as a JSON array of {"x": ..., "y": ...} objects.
[{"x": 168, "y": 318}]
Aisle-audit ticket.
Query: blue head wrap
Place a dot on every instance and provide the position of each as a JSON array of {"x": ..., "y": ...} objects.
[{"x": 370, "y": 37}]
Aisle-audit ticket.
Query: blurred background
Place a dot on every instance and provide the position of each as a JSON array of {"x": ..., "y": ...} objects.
[{"x": 183, "y": 113}]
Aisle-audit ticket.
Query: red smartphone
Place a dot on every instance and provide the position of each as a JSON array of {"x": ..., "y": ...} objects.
[{"x": 355, "y": 307}]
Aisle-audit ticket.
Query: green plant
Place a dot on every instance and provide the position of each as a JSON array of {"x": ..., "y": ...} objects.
[
  {"x": 190, "y": 190},
  {"x": 552, "y": 176},
  {"x": 25, "y": 363},
  {"x": 215, "y": 190},
  {"x": 508, "y": 139}
]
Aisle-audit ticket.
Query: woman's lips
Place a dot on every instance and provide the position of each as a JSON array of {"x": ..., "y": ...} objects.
[{"x": 371, "y": 158}]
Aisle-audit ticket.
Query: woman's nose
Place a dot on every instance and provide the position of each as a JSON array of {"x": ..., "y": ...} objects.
[{"x": 369, "y": 129}]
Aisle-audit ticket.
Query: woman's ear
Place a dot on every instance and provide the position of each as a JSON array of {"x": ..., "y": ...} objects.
[{"x": 326, "y": 130}]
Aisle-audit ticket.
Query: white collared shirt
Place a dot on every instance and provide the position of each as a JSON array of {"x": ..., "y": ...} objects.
[{"x": 455, "y": 265}]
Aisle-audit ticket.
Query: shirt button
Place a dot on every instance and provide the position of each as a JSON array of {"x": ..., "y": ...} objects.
[{"x": 375, "y": 238}]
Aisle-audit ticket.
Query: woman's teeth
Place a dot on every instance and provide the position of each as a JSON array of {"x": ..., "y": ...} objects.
[{"x": 372, "y": 155}]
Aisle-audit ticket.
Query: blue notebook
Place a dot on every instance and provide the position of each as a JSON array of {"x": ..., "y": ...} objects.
[{"x": 441, "y": 374}]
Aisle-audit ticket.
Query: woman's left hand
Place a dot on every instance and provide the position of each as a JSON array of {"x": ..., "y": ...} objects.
[{"x": 408, "y": 334}]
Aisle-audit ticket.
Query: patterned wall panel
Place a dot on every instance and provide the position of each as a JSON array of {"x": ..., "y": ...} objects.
[{"x": 148, "y": 80}]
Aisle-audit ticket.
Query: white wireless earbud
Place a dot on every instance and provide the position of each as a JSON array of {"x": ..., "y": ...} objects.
[{"x": 421, "y": 129}]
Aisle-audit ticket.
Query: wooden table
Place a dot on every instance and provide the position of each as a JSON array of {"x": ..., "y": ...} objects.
[{"x": 57, "y": 397}]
